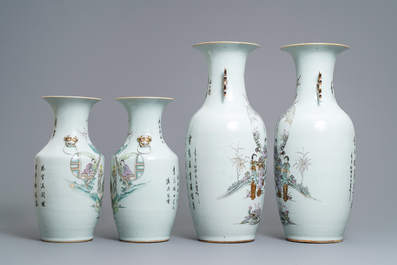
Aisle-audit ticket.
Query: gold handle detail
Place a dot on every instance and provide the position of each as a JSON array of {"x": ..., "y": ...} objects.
[
  {"x": 70, "y": 140},
  {"x": 144, "y": 141},
  {"x": 319, "y": 90},
  {"x": 224, "y": 83}
]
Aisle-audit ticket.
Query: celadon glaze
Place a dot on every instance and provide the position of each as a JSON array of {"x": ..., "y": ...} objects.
[
  {"x": 69, "y": 174},
  {"x": 314, "y": 151},
  {"x": 144, "y": 179},
  {"x": 226, "y": 151}
]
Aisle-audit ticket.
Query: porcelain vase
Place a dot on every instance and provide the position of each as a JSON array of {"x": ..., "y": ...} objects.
[
  {"x": 144, "y": 175},
  {"x": 226, "y": 151},
  {"x": 314, "y": 151},
  {"x": 68, "y": 187}
]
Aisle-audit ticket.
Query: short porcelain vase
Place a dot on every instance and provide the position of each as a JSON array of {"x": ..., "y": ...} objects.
[
  {"x": 68, "y": 186},
  {"x": 314, "y": 151},
  {"x": 144, "y": 175},
  {"x": 226, "y": 151}
]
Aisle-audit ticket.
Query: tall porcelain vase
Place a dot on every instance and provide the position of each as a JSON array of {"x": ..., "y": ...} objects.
[
  {"x": 226, "y": 151},
  {"x": 68, "y": 187},
  {"x": 314, "y": 151},
  {"x": 144, "y": 175}
]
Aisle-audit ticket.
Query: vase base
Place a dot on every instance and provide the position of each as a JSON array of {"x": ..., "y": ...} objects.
[
  {"x": 226, "y": 242},
  {"x": 141, "y": 241},
  {"x": 315, "y": 241},
  {"x": 71, "y": 241}
]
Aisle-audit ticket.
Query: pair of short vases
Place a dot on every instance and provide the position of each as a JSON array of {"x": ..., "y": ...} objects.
[
  {"x": 69, "y": 177},
  {"x": 225, "y": 160}
]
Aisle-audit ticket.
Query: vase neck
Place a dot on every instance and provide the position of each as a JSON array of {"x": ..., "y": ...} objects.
[
  {"x": 314, "y": 72},
  {"x": 144, "y": 116},
  {"x": 226, "y": 65},
  {"x": 70, "y": 116}
]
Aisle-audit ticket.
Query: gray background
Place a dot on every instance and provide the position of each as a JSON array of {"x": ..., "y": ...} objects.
[{"x": 111, "y": 49}]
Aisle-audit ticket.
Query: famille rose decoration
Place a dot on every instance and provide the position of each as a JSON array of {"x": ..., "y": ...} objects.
[
  {"x": 226, "y": 151},
  {"x": 69, "y": 174},
  {"x": 144, "y": 181},
  {"x": 314, "y": 151}
]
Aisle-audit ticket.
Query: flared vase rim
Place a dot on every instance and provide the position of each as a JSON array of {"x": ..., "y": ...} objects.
[
  {"x": 315, "y": 43},
  {"x": 144, "y": 98},
  {"x": 73, "y": 97},
  {"x": 226, "y": 42}
]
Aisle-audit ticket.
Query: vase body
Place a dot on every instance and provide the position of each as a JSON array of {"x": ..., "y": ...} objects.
[
  {"x": 226, "y": 151},
  {"x": 314, "y": 151},
  {"x": 68, "y": 186},
  {"x": 144, "y": 175}
]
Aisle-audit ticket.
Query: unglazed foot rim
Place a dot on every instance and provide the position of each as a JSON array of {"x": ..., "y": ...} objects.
[
  {"x": 226, "y": 242},
  {"x": 73, "y": 241},
  {"x": 315, "y": 241},
  {"x": 149, "y": 241}
]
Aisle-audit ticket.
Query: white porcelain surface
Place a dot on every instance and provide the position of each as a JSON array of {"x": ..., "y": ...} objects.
[
  {"x": 144, "y": 175},
  {"x": 314, "y": 156},
  {"x": 226, "y": 151},
  {"x": 68, "y": 186}
]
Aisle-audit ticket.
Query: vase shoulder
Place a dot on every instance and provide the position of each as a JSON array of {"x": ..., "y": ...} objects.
[
  {"x": 215, "y": 118},
  {"x": 310, "y": 116}
]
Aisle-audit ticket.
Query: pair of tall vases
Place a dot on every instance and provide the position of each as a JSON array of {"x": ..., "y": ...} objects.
[
  {"x": 314, "y": 151},
  {"x": 226, "y": 154},
  {"x": 69, "y": 175}
]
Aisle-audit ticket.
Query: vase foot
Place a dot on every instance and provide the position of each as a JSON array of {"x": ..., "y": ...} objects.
[
  {"x": 315, "y": 241},
  {"x": 227, "y": 242},
  {"x": 149, "y": 241},
  {"x": 71, "y": 241}
]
